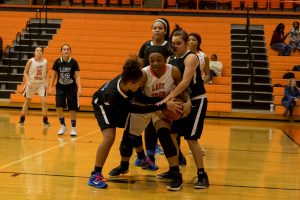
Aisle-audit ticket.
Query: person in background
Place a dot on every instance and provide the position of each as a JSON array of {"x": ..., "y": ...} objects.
[
  {"x": 291, "y": 96},
  {"x": 295, "y": 36},
  {"x": 194, "y": 46},
  {"x": 277, "y": 41},
  {"x": 35, "y": 75},
  {"x": 68, "y": 87},
  {"x": 215, "y": 66}
]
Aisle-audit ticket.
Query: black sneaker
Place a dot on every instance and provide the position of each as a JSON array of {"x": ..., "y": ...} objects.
[
  {"x": 181, "y": 159},
  {"x": 118, "y": 171},
  {"x": 21, "y": 122},
  {"x": 176, "y": 181},
  {"x": 46, "y": 124},
  {"x": 202, "y": 182},
  {"x": 165, "y": 175}
]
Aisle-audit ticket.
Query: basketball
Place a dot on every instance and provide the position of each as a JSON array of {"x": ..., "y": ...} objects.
[{"x": 171, "y": 114}]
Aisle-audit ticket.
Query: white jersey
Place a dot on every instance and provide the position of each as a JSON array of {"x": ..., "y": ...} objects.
[
  {"x": 158, "y": 87},
  {"x": 201, "y": 56},
  {"x": 38, "y": 71}
]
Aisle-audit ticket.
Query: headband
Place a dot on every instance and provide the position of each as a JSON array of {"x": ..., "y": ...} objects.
[{"x": 162, "y": 21}]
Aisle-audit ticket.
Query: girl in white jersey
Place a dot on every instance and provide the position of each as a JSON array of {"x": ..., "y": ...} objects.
[
  {"x": 158, "y": 81},
  {"x": 35, "y": 75},
  {"x": 194, "y": 46}
]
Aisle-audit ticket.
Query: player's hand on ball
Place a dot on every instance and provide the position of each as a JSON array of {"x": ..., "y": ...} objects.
[
  {"x": 187, "y": 106},
  {"x": 174, "y": 105}
]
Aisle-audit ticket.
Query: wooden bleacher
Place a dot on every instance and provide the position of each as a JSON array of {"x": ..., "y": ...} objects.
[{"x": 101, "y": 44}]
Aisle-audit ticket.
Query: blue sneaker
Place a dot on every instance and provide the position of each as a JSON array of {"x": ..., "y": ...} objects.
[
  {"x": 159, "y": 150},
  {"x": 138, "y": 162},
  {"x": 148, "y": 164},
  {"x": 150, "y": 152},
  {"x": 97, "y": 181}
]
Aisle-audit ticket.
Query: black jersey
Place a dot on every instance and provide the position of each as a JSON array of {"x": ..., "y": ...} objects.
[
  {"x": 66, "y": 71},
  {"x": 142, "y": 51},
  {"x": 111, "y": 96},
  {"x": 196, "y": 86}
]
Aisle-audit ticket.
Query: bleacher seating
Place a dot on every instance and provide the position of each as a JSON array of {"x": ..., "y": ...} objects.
[
  {"x": 279, "y": 65},
  {"x": 100, "y": 59}
]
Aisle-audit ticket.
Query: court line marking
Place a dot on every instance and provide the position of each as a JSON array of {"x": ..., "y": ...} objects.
[{"x": 47, "y": 150}]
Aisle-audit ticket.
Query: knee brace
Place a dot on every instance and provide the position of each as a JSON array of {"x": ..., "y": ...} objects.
[
  {"x": 166, "y": 142},
  {"x": 127, "y": 144},
  {"x": 138, "y": 141}
]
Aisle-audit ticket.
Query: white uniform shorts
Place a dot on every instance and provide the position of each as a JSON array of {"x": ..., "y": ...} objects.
[
  {"x": 39, "y": 89},
  {"x": 137, "y": 123}
]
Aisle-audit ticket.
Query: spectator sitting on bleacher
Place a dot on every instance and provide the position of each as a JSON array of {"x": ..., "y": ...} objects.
[
  {"x": 277, "y": 41},
  {"x": 215, "y": 66},
  {"x": 291, "y": 95},
  {"x": 295, "y": 36}
]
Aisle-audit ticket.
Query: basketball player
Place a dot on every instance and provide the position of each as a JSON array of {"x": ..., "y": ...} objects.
[
  {"x": 191, "y": 126},
  {"x": 160, "y": 78},
  {"x": 112, "y": 104},
  {"x": 68, "y": 87},
  {"x": 35, "y": 75},
  {"x": 160, "y": 36}
]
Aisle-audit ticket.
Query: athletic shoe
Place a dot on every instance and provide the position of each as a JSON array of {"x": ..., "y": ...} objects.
[
  {"x": 46, "y": 124},
  {"x": 97, "y": 181},
  {"x": 138, "y": 162},
  {"x": 73, "y": 132},
  {"x": 202, "y": 182},
  {"x": 62, "y": 130},
  {"x": 150, "y": 152},
  {"x": 181, "y": 159},
  {"x": 118, "y": 171},
  {"x": 159, "y": 150},
  {"x": 165, "y": 175},
  {"x": 148, "y": 164},
  {"x": 21, "y": 124},
  {"x": 176, "y": 181}
]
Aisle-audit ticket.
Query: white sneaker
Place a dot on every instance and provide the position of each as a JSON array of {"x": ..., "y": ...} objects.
[
  {"x": 62, "y": 130},
  {"x": 73, "y": 132}
]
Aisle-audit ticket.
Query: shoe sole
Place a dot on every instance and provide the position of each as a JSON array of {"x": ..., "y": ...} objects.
[
  {"x": 160, "y": 177},
  {"x": 175, "y": 189},
  {"x": 119, "y": 174},
  {"x": 150, "y": 169},
  {"x": 104, "y": 187},
  {"x": 200, "y": 187}
]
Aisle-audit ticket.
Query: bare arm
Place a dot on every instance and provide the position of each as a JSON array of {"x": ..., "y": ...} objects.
[
  {"x": 26, "y": 71},
  {"x": 46, "y": 76},
  {"x": 78, "y": 81},
  {"x": 207, "y": 77},
  {"x": 54, "y": 75},
  {"x": 191, "y": 63}
]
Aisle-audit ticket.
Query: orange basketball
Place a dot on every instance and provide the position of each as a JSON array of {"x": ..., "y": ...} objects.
[{"x": 171, "y": 114}]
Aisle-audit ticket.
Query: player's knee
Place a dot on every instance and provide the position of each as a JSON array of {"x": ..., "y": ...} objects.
[
  {"x": 127, "y": 144},
  {"x": 138, "y": 141},
  {"x": 166, "y": 142}
]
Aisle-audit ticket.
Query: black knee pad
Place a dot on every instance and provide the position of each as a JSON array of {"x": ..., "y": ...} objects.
[
  {"x": 127, "y": 144},
  {"x": 138, "y": 141},
  {"x": 166, "y": 142}
]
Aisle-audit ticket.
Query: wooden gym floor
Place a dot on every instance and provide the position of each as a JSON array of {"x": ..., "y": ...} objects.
[{"x": 244, "y": 160}]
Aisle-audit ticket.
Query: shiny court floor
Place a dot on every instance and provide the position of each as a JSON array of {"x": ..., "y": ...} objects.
[{"x": 244, "y": 160}]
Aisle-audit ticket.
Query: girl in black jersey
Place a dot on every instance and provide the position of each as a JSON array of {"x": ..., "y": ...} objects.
[
  {"x": 68, "y": 87},
  {"x": 160, "y": 37},
  {"x": 190, "y": 126},
  {"x": 112, "y": 104}
]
